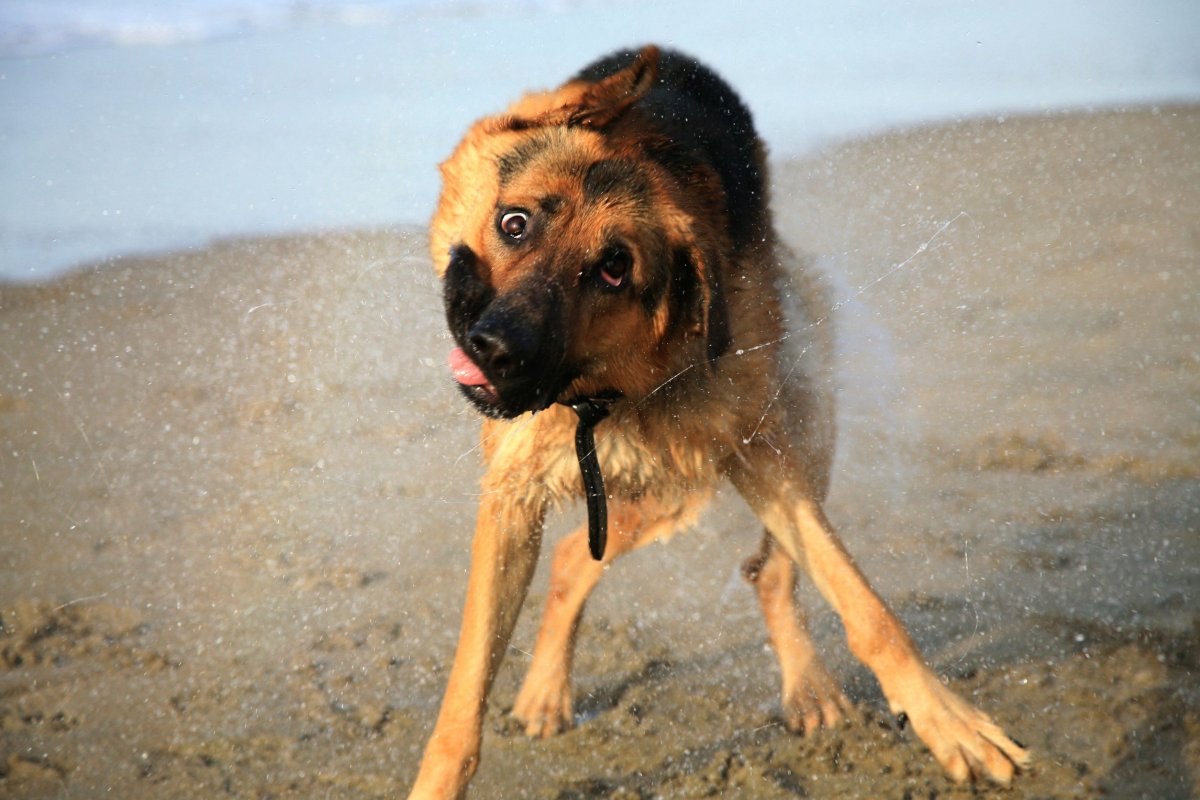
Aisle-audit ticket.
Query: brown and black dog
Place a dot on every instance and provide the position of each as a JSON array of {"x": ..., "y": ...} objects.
[{"x": 607, "y": 247}]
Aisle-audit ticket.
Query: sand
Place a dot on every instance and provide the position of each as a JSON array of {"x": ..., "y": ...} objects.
[{"x": 237, "y": 493}]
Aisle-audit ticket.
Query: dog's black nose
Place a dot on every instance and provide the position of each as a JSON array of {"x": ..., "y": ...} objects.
[
  {"x": 517, "y": 341},
  {"x": 491, "y": 352},
  {"x": 501, "y": 349}
]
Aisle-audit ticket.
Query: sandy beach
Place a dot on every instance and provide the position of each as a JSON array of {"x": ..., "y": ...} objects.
[{"x": 238, "y": 487}]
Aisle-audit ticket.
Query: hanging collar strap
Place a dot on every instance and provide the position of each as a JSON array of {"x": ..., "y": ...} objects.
[{"x": 591, "y": 410}]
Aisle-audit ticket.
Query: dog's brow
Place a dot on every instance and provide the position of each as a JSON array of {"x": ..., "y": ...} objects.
[
  {"x": 614, "y": 176},
  {"x": 551, "y": 203},
  {"x": 515, "y": 160}
]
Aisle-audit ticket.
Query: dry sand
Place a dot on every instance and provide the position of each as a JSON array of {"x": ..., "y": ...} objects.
[{"x": 236, "y": 499}]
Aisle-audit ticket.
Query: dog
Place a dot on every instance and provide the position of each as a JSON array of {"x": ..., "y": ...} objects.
[{"x": 631, "y": 328}]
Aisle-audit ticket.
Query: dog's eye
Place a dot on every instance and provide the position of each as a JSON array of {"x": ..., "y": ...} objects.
[
  {"x": 614, "y": 269},
  {"x": 513, "y": 224}
]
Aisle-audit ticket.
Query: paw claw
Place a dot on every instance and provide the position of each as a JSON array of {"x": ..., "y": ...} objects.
[
  {"x": 964, "y": 740},
  {"x": 815, "y": 702},
  {"x": 544, "y": 707}
]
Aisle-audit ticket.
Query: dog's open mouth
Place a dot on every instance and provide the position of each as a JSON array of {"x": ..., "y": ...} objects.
[
  {"x": 502, "y": 396},
  {"x": 471, "y": 378}
]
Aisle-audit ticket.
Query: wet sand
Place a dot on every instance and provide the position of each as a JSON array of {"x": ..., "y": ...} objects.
[{"x": 237, "y": 493}]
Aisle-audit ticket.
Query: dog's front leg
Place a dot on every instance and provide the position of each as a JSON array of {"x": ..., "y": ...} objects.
[{"x": 508, "y": 535}]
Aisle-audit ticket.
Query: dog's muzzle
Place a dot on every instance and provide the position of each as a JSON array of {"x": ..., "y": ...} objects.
[{"x": 511, "y": 348}]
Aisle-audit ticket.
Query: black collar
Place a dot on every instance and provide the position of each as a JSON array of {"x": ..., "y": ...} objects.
[{"x": 591, "y": 410}]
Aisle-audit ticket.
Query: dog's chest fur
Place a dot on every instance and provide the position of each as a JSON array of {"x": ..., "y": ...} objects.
[{"x": 641, "y": 453}]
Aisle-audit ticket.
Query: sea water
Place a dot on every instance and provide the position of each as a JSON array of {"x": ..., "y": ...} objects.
[{"x": 131, "y": 126}]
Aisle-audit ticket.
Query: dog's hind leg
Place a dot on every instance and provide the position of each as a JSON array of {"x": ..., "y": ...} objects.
[
  {"x": 544, "y": 702},
  {"x": 964, "y": 740},
  {"x": 811, "y": 697}
]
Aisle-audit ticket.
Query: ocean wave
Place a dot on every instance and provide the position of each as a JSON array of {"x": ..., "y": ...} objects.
[{"x": 36, "y": 27}]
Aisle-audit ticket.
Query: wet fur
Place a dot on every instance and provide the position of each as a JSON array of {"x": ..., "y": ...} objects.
[{"x": 720, "y": 346}]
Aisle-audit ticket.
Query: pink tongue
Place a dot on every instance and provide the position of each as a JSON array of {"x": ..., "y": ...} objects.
[{"x": 464, "y": 369}]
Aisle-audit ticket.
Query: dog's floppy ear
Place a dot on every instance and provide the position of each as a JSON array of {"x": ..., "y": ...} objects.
[
  {"x": 605, "y": 100},
  {"x": 698, "y": 299}
]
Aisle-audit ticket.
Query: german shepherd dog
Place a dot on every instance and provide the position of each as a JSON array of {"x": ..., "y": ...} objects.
[{"x": 633, "y": 330}]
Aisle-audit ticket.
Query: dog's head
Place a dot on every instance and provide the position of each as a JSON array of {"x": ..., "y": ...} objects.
[{"x": 580, "y": 254}]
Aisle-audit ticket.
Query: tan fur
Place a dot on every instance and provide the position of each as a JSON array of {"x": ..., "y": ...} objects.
[{"x": 763, "y": 419}]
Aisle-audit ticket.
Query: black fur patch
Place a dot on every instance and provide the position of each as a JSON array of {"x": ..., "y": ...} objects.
[
  {"x": 700, "y": 120},
  {"x": 614, "y": 177},
  {"x": 464, "y": 292},
  {"x": 719, "y": 336},
  {"x": 551, "y": 204},
  {"x": 685, "y": 292},
  {"x": 511, "y": 163},
  {"x": 686, "y": 306},
  {"x": 658, "y": 279}
]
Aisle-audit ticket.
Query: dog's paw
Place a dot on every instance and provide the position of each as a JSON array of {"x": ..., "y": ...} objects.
[
  {"x": 543, "y": 706},
  {"x": 963, "y": 739},
  {"x": 813, "y": 700}
]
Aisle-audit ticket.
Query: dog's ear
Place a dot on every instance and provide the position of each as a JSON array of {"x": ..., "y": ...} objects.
[
  {"x": 698, "y": 300},
  {"x": 604, "y": 101}
]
